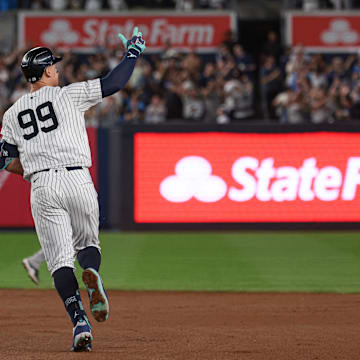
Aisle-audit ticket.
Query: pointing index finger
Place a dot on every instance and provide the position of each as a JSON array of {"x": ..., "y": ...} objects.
[{"x": 135, "y": 32}]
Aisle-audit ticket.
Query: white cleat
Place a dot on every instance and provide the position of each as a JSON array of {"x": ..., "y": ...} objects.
[{"x": 32, "y": 272}]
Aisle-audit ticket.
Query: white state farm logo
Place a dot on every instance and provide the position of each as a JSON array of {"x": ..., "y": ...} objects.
[
  {"x": 60, "y": 31},
  {"x": 193, "y": 179},
  {"x": 340, "y": 32},
  {"x": 101, "y": 31},
  {"x": 261, "y": 180},
  {"x": 3, "y": 177}
]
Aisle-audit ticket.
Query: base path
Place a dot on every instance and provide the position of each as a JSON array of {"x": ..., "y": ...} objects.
[{"x": 176, "y": 325}]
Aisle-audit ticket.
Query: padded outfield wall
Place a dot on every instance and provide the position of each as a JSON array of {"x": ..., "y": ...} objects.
[
  {"x": 234, "y": 177},
  {"x": 216, "y": 177}
]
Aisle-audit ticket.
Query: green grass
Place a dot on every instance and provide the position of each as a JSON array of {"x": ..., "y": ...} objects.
[{"x": 216, "y": 261}]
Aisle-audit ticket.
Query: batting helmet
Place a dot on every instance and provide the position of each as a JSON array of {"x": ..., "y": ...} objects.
[{"x": 35, "y": 61}]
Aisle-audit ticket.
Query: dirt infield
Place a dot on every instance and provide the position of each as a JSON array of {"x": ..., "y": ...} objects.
[{"x": 161, "y": 325}]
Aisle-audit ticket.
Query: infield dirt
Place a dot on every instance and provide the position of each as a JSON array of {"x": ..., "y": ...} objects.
[{"x": 177, "y": 325}]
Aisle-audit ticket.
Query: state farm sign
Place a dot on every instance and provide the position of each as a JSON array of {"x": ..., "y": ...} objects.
[
  {"x": 324, "y": 31},
  {"x": 228, "y": 177},
  {"x": 86, "y": 31},
  {"x": 261, "y": 180}
]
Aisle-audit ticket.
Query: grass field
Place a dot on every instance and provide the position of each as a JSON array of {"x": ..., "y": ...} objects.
[{"x": 208, "y": 261}]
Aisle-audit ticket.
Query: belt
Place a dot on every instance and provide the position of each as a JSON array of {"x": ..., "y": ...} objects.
[{"x": 68, "y": 168}]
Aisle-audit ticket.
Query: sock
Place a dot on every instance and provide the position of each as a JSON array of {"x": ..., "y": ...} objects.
[
  {"x": 89, "y": 257},
  {"x": 68, "y": 289}
]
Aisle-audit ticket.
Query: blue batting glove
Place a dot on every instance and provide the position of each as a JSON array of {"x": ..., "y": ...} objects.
[{"x": 136, "y": 45}]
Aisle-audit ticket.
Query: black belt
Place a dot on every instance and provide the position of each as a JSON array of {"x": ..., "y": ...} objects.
[{"x": 68, "y": 168}]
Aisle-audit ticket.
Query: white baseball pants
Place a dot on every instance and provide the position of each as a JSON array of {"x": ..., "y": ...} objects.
[{"x": 65, "y": 209}]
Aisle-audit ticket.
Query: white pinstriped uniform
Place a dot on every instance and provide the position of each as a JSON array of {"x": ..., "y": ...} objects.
[{"x": 48, "y": 127}]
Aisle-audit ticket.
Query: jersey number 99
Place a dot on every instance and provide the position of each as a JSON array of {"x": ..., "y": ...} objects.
[{"x": 49, "y": 115}]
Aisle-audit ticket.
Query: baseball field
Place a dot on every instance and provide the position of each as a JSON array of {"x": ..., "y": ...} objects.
[{"x": 196, "y": 295}]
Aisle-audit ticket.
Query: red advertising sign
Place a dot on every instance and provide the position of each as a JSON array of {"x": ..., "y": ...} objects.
[
  {"x": 84, "y": 31},
  {"x": 232, "y": 177},
  {"x": 15, "y": 192},
  {"x": 325, "y": 31}
]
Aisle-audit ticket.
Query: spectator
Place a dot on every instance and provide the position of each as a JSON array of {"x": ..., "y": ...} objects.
[
  {"x": 211, "y": 4},
  {"x": 317, "y": 75},
  {"x": 290, "y": 107},
  {"x": 93, "y": 5},
  {"x": 296, "y": 109},
  {"x": 4, "y": 95},
  {"x": 221, "y": 116},
  {"x": 337, "y": 70},
  {"x": 355, "y": 100},
  {"x": 281, "y": 104},
  {"x": 156, "y": 111},
  {"x": 342, "y": 4},
  {"x": 223, "y": 53},
  {"x": 52, "y": 4},
  {"x": 272, "y": 46},
  {"x": 244, "y": 61},
  {"x": 137, "y": 77},
  {"x": 341, "y": 101},
  {"x": 271, "y": 85},
  {"x": 134, "y": 110},
  {"x": 297, "y": 59},
  {"x": 192, "y": 63},
  {"x": 239, "y": 98},
  {"x": 355, "y": 70},
  {"x": 178, "y": 87},
  {"x": 91, "y": 118},
  {"x": 212, "y": 94},
  {"x": 108, "y": 111},
  {"x": 4, "y": 74},
  {"x": 311, "y": 5},
  {"x": 193, "y": 103},
  {"x": 320, "y": 111},
  {"x": 117, "y": 4},
  {"x": 20, "y": 90},
  {"x": 185, "y": 5}
]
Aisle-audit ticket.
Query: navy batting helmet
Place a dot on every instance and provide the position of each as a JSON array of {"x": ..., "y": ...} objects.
[{"x": 35, "y": 61}]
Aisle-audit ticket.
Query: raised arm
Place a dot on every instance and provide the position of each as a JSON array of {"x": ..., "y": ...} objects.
[{"x": 119, "y": 76}]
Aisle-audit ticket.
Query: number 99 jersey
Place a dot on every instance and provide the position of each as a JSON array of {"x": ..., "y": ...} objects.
[{"x": 48, "y": 126}]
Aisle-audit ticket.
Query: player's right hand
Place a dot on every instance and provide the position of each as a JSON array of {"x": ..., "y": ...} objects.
[{"x": 136, "y": 43}]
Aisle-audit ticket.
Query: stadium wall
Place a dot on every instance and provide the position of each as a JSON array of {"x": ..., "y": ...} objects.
[
  {"x": 199, "y": 176},
  {"x": 257, "y": 176}
]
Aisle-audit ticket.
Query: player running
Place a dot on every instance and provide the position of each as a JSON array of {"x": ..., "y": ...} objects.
[{"x": 45, "y": 140}]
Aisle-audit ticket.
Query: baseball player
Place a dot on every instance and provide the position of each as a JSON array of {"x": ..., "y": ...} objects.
[{"x": 45, "y": 140}]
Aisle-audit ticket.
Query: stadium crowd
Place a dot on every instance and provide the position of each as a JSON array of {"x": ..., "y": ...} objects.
[
  {"x": 281, "y": 86},
  {"x": 93, "y": 5}
]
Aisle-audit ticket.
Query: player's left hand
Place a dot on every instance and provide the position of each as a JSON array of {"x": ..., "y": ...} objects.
[
  {"x": 135, "y": 44},
  {"x": 4, "y": 159}
]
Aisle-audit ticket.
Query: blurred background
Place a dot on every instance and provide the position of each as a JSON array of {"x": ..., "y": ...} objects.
[{"x": 207, "y": 61}]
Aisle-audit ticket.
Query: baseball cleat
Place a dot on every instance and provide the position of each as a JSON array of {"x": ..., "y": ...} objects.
[
  {"x": 99, "y": 304},
  {"x": 82, "y": 337},
  {"x": 32, "y": 272}
]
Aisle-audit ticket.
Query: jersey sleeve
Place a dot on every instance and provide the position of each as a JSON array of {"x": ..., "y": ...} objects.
[
  {"x": 85, "y": 94},
  {"x": 6, "y": 131}
]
